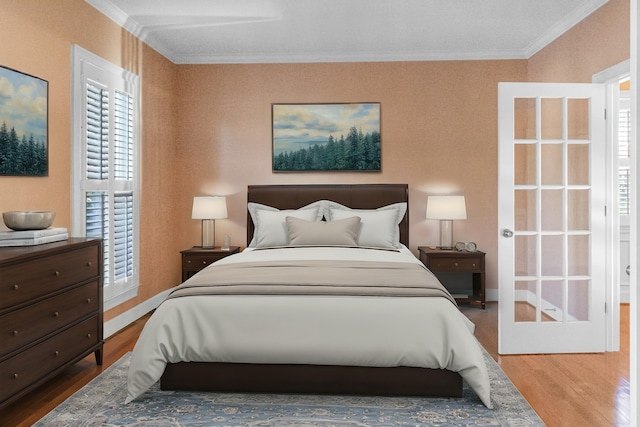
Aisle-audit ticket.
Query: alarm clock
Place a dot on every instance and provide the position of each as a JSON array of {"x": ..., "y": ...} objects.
[
  {"x": 470, "y": 246},
  {"x": 460, "y": 246}
]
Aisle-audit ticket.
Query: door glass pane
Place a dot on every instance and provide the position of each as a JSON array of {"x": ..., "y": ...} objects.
[
  {"x": 551, "y": 118},
  {"x": 524, "y": 126},
  {"x": 551, "y": 293},
  {"x": 551, "y": 210},
  {"x": 525, "y": 301},
  {"x": 524, "y": 168},
  {"x": 578, "y": 164},
  {"x": 551, "y": 167},
  {"x": 551, "y": 255},
  {"x": 578, "y": 255},
  {"x": 525, "y": 210},
  {"x": 525, "y": 255},
  {"x": 578, "y": 300},
  {"x": 578, "y": 210},
  {"x": 577, "y": 118}
]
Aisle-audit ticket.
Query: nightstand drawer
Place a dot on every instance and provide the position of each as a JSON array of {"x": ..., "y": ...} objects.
[
  {"x": 198, "y": 262},
  {"x": 455, "y": 264}
]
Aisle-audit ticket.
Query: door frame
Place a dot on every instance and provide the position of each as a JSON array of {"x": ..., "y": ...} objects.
[{"x": 609, "y": 77}]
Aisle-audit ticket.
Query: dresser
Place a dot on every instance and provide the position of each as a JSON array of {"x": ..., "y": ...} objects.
[{"x": 50, "y": 311}]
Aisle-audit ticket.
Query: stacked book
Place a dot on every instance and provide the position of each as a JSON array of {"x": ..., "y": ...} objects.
[{"x": 33, "y": 237}]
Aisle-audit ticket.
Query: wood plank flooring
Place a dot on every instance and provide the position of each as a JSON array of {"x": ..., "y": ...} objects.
[{"x": 565, "y": 390}]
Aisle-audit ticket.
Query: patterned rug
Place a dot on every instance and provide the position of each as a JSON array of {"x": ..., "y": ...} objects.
[{"x": 101, "y": 403}]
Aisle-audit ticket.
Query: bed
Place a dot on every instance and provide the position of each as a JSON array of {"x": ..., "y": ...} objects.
[{"x": 293, "y": 337}]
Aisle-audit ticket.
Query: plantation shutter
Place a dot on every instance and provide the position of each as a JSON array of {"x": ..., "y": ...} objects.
[{"x": 105, "y": 145}]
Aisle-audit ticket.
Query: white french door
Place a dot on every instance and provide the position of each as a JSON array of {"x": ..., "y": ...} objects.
[{"x": 551, "y": 217}]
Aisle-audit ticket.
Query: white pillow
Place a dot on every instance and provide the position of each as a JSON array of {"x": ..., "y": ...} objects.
[
  {"x": 342, "y": 232},
  {"x": 270, "y": 228},
  {"x": 381, "y": 229},
  {"x": 377, "y": 229}
]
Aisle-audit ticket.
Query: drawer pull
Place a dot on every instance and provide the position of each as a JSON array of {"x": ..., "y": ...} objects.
[
  {"x": 88, "y": 300},
  {"x": 455, "y": 263},
  {"x": 15, "y": 333},
  {"x": 89, "y": 264},
  {"x": 16, "y": 287},
  {"x": 56, "y": 314},
  {"x": 56, "y": 353},
  {"x": 474, "y": 264},
  {"x": 204, "y": 262},
  {"x": 57, "y": 273},
  {"x": 88, "y": 335},
  {"x": 15, "y": 376}
]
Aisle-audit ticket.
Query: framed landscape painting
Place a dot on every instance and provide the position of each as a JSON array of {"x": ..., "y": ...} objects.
[
  {"x": 326, "y": 137},
  {"x": 23, "y": 124}
]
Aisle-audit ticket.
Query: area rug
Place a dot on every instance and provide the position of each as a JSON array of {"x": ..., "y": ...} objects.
[{"x": 101, "y": 403}]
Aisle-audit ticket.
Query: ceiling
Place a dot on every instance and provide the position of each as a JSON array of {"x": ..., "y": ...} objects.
[{"x": 284, "y": 31}]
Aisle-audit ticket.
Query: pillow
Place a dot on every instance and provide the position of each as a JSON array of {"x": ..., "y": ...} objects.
[
  {"x": 388, "y": 233},
  {"x": 315, "y": 210},
  {"x": 377, "y": 228},
  {"x": 341, "y": 232}
]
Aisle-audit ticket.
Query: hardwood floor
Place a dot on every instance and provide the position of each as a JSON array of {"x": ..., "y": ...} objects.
[{"x": 565, "y": 390}]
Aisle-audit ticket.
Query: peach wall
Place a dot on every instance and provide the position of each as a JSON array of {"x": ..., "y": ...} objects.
[
  {"x": 595, "y": 44},
  {"x": 206, "y": 129},
  {"x": 439, "y": 135},
  {"x": 37, "y": 38}
]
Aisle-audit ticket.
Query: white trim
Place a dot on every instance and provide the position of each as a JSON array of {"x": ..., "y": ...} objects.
[
  {"x": 614, "y": 290},
  {"x": 128, "y": 317},
  {"x": 634, "y": 319}
]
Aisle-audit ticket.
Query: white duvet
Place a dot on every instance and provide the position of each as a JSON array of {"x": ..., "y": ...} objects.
[{"x": 329, "y": 330}]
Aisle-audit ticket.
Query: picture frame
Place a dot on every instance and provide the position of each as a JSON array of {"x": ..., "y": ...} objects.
[
  {"x": 24, "y": 124},
  {"x": 326, "y": 137}
]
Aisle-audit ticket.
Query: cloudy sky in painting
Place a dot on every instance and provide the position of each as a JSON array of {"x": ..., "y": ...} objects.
[
  {"x": 301, "y": 126},
  {"x": 23, "y": 104}
]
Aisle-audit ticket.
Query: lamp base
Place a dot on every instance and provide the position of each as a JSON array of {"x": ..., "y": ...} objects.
[
  {"x": 208, "y": 233},
  {"x": 446, "y": 234}
]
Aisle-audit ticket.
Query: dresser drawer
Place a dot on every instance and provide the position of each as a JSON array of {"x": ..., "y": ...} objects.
[
  {"x": 35, "y": 321},
  {"x": 26, "y": 281},
  {"x": 455, "y": 264},
  {"x": 22, "y": 370}
]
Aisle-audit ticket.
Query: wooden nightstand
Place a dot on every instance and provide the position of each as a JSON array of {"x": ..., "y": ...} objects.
[
  {"x": 197, "y": 258},
  {"x": 450, "y": 265}
]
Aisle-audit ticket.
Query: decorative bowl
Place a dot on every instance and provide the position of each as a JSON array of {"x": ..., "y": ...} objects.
[{"x": 28, "y": 220}]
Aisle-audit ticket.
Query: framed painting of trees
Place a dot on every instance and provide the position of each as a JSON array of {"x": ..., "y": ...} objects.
[
  {"x": 326, "y": 137},
  {"x": 23, "y": 124}
]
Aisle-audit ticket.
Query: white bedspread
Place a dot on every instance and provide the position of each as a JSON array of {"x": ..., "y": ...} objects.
[{"x": 329, "y": 330}]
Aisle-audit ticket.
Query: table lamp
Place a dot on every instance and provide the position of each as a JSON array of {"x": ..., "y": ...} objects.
[
  {"x": 208, "y": 209},
  {"x": 446, "y": 209}
]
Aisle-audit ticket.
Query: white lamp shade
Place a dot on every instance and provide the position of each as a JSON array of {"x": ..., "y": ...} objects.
[
  {"x": 209, "y": 207},
  {"x": 446, "y": 207}
]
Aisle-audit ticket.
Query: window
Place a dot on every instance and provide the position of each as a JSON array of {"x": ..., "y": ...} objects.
[
  {"x": 105, "y": 183},
  {"x": 624, "y": 151}
]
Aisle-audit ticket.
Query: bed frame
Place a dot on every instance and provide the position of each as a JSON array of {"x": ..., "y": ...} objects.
[{"x": 282, "y": 378}]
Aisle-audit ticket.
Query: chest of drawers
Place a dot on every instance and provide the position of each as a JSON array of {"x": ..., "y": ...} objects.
[{"x": 50, "y": 311}]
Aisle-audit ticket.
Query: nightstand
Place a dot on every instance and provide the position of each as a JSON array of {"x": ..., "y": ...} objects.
[
  {"x": 197, "y": 258},
  {"x": 452, "y": 267}
]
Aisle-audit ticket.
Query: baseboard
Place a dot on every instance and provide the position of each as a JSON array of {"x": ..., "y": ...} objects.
[
  {"x": 491, "y": 295},
  {"x": 121, "y": 321}
]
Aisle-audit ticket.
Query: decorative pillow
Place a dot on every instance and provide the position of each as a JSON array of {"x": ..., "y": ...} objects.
[
  {"x": 381, "y": 229},
  {"x": 323, "y": 233},
  {"x": 260, "y": 232}
]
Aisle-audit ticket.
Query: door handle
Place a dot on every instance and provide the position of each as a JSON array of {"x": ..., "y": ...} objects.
[
  {"x": 628, "y": 270},
  {"x": 507, "y": 233}
]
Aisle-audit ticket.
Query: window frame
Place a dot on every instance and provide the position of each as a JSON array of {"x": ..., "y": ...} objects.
[{"x": 90, "y": 67}]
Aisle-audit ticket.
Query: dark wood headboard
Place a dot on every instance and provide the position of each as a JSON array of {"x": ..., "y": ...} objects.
[{"x": 356, "y": 196}]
